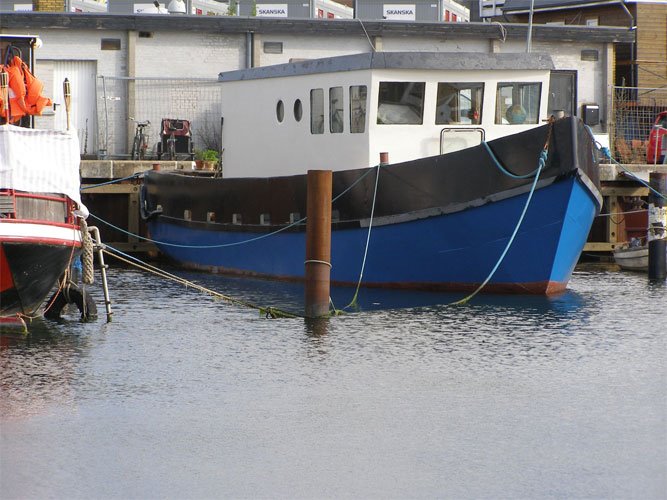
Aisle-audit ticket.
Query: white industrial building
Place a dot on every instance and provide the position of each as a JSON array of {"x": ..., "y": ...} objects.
[{"x": 153, "y": 66}]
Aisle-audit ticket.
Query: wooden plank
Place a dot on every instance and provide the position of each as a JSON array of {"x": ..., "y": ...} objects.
[
  {"x": 110, "y": 188},
  {"x": 119, "y": 169},
  {"x": 599, "y": 246},
  {"x": 624, "y": 191}
]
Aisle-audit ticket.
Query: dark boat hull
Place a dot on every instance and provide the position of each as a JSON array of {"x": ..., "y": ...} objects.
[{"x": 31, "y": 263}]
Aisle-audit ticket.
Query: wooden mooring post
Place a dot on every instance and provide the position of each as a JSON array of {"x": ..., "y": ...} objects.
[
  {"x": 657, "y": 236},
  {"x": 318, "y": 243}
]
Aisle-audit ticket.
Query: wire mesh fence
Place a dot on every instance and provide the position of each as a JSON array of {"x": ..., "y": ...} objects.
[
  {"x": 634, "y": 111},
  {"x": 124, "y": 101}
]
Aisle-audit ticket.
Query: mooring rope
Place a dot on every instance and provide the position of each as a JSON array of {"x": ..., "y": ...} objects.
[
  {"x": 543, "y": 155},
  {"x": 268, "y": 312},
  {"x": 605, "y": 151},
  {"x": 511, "y": 240},
  {"x": 224, "y": 245},
  {"x": 88, "y": 276},
  {"x": 541, "y": 163},
  {"x": 114, "y": 181},
  {"x": 353, "y": 302},
  {"x": 274, "y": 312}
]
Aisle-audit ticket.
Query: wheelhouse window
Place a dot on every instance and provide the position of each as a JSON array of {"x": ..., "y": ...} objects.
[
  {"x": 459, "y": 103},
  {"x": 401, "y": 103},
  {"x": 358, "y": 95},
  {"x": 336, "y": 109},
  {"x": 518, "y": 103},
  {"x": 563, "y": 93},
  {"x": 317, "y": 111}
]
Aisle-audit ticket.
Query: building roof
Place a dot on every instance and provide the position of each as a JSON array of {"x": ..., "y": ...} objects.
[
  {"x": 456, "y": 61},
  {"x": 35, "y": 21},
  {"x": 523, "y": 6}
]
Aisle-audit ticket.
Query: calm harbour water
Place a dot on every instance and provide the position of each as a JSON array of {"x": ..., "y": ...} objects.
[{"x": 184, "y": 396}]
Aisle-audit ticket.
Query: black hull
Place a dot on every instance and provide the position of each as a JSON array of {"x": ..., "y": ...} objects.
[
  {"x": 445, "y": 182},
  {"x": 33, "y": 269}
]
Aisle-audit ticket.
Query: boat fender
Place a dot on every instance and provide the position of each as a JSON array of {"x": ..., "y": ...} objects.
[
  {"x": 87, "y": 248},
  {"x": 72, "y": 294},
  {"x": 146, "y": 214}
]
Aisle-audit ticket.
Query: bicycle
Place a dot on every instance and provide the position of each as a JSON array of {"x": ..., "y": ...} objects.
[
  {"x": 140, "y": 143},
  {"x": 171, "y": 145},
  {"x": 175, "y": 140}
]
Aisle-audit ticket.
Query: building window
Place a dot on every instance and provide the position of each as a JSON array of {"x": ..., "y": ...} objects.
[
  {"x": 317, "y": 111},
  {"x": 110, "y": 44},
  {"x": 589, "y": 55},
  {"x": 336, "y": 119},
  {"x": 459, "y": 103},
  {"x": 320, "y": 13},
  {"x": 330, "y": 15},
  {"x": 401, "y": 103},
  {"x": 358, "y": 94},
  {"x": 273, "y": 47},
  {"x": 518, "y": 103}
]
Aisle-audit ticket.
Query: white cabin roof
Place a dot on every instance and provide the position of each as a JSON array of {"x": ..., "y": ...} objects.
[{"x": 454, "y": 61}]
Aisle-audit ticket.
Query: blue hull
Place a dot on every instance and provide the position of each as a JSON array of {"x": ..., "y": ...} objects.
[{"x": 444, "y": 252}]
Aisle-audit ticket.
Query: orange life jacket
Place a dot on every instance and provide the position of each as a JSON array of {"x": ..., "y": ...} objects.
[
  {"x": 24, "y": 92},
  {"x": 15, "y": 108},
  {"x": 34, "y": 100}
]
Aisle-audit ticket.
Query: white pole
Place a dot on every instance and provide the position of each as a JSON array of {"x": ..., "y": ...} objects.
[{"x": 530, "y": 27}]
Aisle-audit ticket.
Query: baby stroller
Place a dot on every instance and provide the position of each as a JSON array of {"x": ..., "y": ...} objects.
[{"x": 175, "y": 140}]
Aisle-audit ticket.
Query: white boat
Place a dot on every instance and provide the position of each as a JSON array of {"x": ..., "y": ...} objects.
[{"x": 632, "y": 258}]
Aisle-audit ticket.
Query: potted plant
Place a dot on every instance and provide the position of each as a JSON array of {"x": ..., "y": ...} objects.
[{"x": 206, "y": 159}]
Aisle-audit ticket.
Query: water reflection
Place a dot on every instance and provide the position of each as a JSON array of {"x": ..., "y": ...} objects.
[
  {"x": 38, "y": 367},
  {"x": 290, "y": 296},
  {"x": 410, "y": 402},
  {"x": 316, "y": 327}
]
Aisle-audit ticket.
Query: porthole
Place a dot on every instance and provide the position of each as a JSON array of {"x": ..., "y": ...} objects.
[
  {"x": 298, "y": 110},
  {"x": 280, "y": 111}
]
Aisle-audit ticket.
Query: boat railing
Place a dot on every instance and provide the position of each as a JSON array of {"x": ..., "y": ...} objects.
[
  {"x": 36, "y": 206},
  {"x": 457, "y": 138},
  {"x": 7, "y": 204}
]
